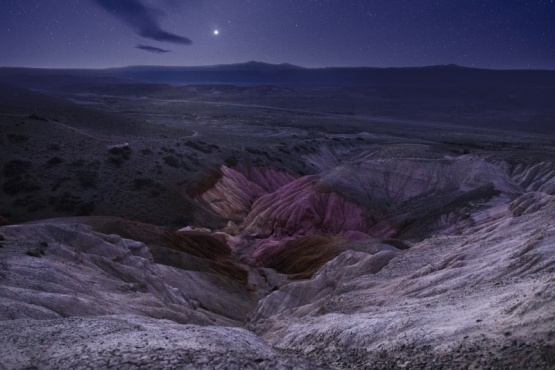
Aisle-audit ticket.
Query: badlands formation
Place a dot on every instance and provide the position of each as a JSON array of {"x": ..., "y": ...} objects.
[
  {"x": 412, "y": 262},
  {"x": 355, "y": 244}
]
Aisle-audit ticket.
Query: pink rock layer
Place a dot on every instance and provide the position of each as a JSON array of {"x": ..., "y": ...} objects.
[
  {"x": 298, "y": 208},
  {"x": 235, "y": 192}
]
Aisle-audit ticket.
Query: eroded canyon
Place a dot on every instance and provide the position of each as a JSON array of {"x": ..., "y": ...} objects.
[{"x": 298, "y": 226}]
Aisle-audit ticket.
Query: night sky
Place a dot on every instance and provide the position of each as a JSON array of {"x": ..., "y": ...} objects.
[{"x": 312, "y": 33}]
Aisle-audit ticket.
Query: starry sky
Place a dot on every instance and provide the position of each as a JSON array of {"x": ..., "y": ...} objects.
[{"x": 501, "y": 34}]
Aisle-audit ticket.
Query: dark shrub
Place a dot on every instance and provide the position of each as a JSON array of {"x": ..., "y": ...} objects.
[
  {"x": 119, "y": 154},
  {"x": 53, "y": 147},
  {"x": 54, "y": 161},
  {"x": 87, "y": 179},
  {"x": 198, "y": 146},
  {"x": 65, "y": 202},
  {"x": 231, "y": 161},
  {"x": 17, "y": 138},
  {"x": 37, "y": 118},
  {"x": 17, "y": 185},
  {"x": 16, "y": 167},
  {"x": 254, "y": 151},
  {"x": 78, "y": 163},
  {"x": 146, "y": 151},
  {"x": 139, "y": 184},
  {"x": 171, "y": 161},
  {"x": 121, "y": 151},
  {"x": 85, "y": 209},
  {"x": 116, "y": 161}
]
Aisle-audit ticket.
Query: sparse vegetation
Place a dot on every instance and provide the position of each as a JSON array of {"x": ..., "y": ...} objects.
[
  {"x": 72, "y": 204},
  {"x": 146, "y": 151},
  {"x": 85, "y": 209},
  {"x": 141, "y": 183},
  {"x": 78, "y": 163},
  {"x": 231, "y": 161},
  {"x": 54, "y": 161},
  {"x": 171, "y": 161},
  {"x": 123, "y": 151},
  {"x": 17, "y": 138},
  {"x": 116, "y": 161},
  {"x": 36, "y": 117},
  {"x": 18, "y": 184},
  {"x": 119, "y": 154},
  {"x": 201, "y": 146},
  {"x": 254, "y": 151},
  {"x": 16, "y": 167},
  {"x": 87, "y": 179}
]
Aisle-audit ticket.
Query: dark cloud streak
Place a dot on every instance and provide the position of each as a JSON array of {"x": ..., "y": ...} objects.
[
  {"x": 152, "y": 49},
  {"x": 142, "y": 19}
]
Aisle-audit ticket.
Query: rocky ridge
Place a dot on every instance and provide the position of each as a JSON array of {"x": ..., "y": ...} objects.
[{"x": 419, "y": 260}]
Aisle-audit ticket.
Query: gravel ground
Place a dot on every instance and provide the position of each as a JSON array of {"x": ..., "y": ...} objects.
[{"x": 484, "y": 353}]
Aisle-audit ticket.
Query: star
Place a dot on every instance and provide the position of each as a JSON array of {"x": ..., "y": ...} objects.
[{"x": 216, "y": 32}]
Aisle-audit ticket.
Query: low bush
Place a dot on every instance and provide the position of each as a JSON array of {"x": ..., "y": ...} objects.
[
  {"x": 16, "y": 167},
  {"x": 171, "y": 161},
  {"x": 54, "y": 161},
  {"x": 87, "y": 179},
  {"x": 17, "y": 138}
]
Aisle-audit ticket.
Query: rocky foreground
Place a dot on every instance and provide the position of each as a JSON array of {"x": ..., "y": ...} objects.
[{"x": 403, "y": 257}]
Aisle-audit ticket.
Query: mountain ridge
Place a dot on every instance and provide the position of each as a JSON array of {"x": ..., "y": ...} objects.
[{"x": 258, "y": 73}]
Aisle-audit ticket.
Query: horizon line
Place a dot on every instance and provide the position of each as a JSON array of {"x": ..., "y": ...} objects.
[{"x": 450, "y": 65}]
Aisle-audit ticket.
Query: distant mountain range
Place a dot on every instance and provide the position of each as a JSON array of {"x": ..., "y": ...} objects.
[{"x": 257, "y": 73}]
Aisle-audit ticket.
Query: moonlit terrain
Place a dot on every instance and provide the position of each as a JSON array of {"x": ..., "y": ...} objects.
[{"x": 271, "y": 216}]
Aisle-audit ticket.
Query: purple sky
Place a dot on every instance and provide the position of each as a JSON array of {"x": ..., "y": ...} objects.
[{"x": 312, "y": 33}]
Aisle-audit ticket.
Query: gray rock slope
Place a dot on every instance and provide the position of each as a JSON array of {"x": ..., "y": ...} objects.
[
  {"x": 132, "y": 342},
  {"x": 495, "y": 280},
  {"x": 52, "y": 271},
  {"x": 477, "y": 292}
]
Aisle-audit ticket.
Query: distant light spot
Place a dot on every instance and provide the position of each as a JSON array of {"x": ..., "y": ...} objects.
[{"x": 216, "y": 32}]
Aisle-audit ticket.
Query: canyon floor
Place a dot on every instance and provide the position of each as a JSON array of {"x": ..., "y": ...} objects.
[{"x": 276, "y": 227}]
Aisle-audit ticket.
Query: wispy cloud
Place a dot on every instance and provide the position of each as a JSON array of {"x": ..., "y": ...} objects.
[
  {"x": 152, "y": 49},
  {"x": 143, "y": 19}
]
